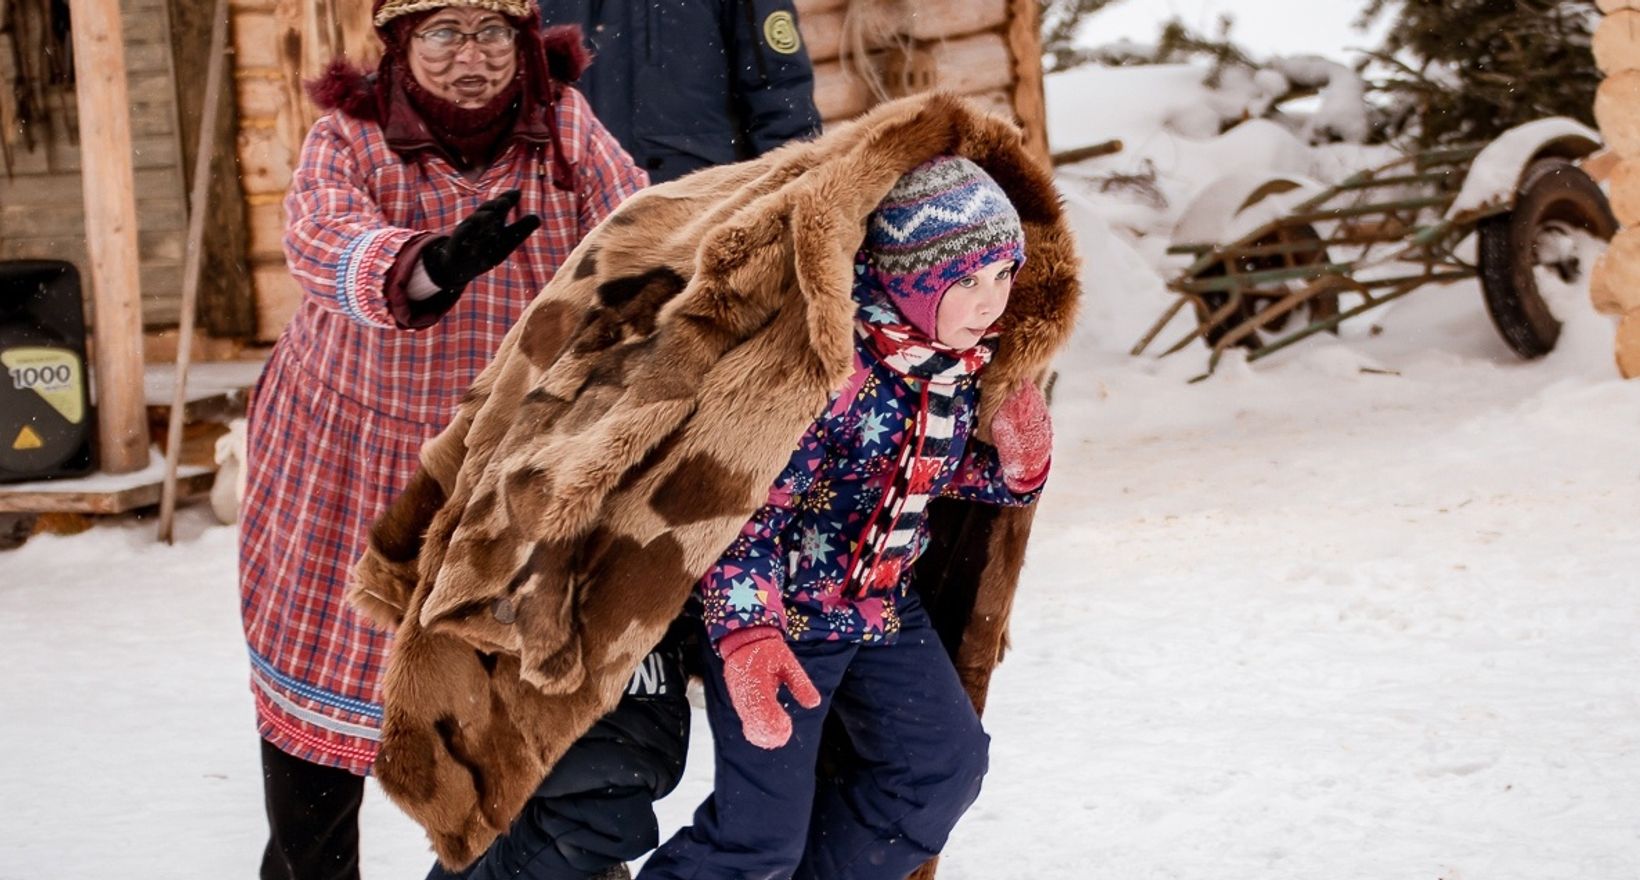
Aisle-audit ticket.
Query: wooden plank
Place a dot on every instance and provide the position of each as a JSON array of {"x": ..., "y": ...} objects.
[
  {"x": 277, "y": 298},
  {"x": 150, "y": 186},
  {"x": 357, "y": 31},
  {"x": 256, "y": 38},
  {"x": 265, "y": 160},
  {"x": 1616, "y": 42},
  {"x": 143, "y": 29},
  {"x": 148, "y": 152},
  {"x": 44, "y": 249},
  {"x": 259, "y": 96},
  {"x": 823, "y": 34},
  {"x": 972, "y": 65},
  {"x": 998, "y": 101},
  {"x": 267, "y": 231},
  {"x": 1614, "y": 284},
  {"x": 111, "y": 231},
  {"x": 812, "y": 7},
  {"x": 943, "y": 21},
  {"x": 826, "y": 32},
  {"x": 160, "y": 246},
  {"x": 71, "y": 496},
  {"x": 838, "y": 93},
  {"x": 1628, "y": 346},
  {"x": 215, "y": 406},
  {"x": 147, "y": 58}
]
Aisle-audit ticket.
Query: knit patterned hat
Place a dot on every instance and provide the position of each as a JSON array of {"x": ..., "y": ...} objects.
[{"x": 941, "y": 222}]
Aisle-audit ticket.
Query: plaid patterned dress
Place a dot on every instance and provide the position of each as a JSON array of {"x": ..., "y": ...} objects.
[{"x": 347, "y": 397}]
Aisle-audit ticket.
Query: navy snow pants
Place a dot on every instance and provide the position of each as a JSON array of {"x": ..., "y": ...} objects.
[{"x": 921, "y": 755}]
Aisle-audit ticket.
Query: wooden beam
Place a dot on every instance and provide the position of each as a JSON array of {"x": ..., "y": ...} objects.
[
  {"x": 111, "y": 233},
  {"x": 1025, "y": 44},
  {"x": 92, "y": 496},
  {"x": 1104, "y": 148}
]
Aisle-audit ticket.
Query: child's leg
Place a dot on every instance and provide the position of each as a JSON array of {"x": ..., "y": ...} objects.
[
  {"x": 922, "y": 754},
  {"x": 595, "y": 811},
  {"x": 754, "y": 823}
]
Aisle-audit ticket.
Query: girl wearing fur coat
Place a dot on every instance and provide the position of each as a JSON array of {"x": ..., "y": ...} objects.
[
  {"x": 435, "y": 198},
  {"x": 815, "y": 596}
]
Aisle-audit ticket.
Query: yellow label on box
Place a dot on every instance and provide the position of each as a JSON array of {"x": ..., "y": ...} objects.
[{"x": 52, "y": 373}]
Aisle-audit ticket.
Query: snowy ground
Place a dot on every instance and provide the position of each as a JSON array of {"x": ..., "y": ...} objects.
[{"x": 1296, "y": 621}]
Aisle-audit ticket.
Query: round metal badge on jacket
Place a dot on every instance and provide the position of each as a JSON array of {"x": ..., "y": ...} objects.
[{"x": 780, "y": 32}]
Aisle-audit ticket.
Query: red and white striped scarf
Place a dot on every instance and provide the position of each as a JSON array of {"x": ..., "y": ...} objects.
[{"x": 886, "y": 543}]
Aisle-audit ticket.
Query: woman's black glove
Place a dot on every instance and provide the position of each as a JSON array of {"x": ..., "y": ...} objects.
[{"x": 478, "y": 243}]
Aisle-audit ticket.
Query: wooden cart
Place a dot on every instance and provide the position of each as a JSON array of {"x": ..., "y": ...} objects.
[{"x": 1293, "y": 258}]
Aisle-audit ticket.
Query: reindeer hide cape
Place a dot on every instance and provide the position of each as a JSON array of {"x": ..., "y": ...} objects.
[{"x": 632, "y": 422}]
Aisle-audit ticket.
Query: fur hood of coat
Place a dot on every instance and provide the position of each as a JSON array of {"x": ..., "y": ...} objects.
[{"x": 632, "y": 421}]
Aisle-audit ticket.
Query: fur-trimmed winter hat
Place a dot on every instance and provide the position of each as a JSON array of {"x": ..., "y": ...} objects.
[
  {"x": 387, "y": 10},
  {"x": 526, "y": 111},
  {"x": 942, "y": 221}
]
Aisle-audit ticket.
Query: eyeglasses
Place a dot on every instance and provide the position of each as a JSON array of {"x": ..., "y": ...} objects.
[{"x": 446, "y": 41}]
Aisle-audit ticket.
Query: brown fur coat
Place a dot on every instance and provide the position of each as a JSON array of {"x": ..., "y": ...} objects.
[{"x": 588, "y": 481}]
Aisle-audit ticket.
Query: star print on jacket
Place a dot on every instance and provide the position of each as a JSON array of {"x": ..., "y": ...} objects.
[{"x": 789, "y": 566}]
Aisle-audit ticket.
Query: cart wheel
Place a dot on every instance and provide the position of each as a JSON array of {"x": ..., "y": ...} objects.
[
  {"x": 1554, "y": 200},
  {"x": 15, "y": 528},
  {"x": 1322, "y": 305}
]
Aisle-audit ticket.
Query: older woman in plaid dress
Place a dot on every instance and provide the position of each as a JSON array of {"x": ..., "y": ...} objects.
[{"x": 432, "y": 203}]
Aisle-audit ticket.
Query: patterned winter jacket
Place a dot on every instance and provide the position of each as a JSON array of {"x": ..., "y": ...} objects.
[{"x": 788, "y": 568}]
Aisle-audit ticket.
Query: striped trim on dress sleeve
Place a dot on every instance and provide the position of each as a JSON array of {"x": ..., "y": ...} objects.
[{"x": 360, "y": 300}]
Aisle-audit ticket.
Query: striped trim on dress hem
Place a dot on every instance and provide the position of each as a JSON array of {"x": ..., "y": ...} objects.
[
  {"x": 260, "y": 666},
  {"x": 308, "y": 716},
  {"x": 273, "y": 722}
]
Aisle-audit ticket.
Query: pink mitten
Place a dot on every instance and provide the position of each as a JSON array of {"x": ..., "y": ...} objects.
[
  {"x": 1024, "y": 438},
  {"x": 756, "y": 662}
]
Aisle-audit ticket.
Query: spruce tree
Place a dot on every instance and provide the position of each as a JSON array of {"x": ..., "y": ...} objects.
[
  {"x": 1060, "y": 21},
  {"x": 1465, "y": 70}
]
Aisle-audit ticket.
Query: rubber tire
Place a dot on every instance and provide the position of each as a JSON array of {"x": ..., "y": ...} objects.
[{"x": 1551, "y": 189}]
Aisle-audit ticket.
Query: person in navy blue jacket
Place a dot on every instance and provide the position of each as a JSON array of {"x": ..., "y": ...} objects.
[
  {"x": 692, "y": 83},
  {"x": 816, "y": 596}
]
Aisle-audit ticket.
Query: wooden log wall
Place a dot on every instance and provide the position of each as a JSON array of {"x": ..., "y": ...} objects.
[
  {"x": 987, "y": 49},
  {"x": 277, "y": 45},
  {"x": 227, "y": 304},
  {"x": 42, "y": 212},
  {"x": 1615, "y": 286}
]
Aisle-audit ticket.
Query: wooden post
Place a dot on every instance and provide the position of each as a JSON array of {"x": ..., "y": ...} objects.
[
  {"x": 1617, "y": 110},
  {"x": 1025, "y": 44},
  {"x": 198, "y": 204},
  {"x": 110, "y": 233}
]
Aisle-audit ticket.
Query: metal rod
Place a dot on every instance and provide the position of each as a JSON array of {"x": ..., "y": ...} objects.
[
  {"x": 1395, "y": 180},
  {"x": 1377, "y": 208},
  {"x": 1156, "y": 328},
  {"x": 1253, "y": 279}
]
